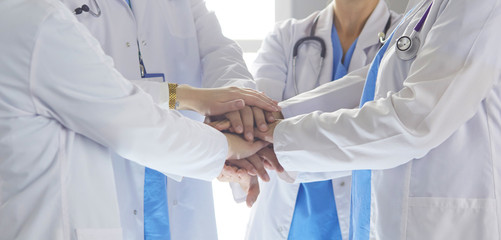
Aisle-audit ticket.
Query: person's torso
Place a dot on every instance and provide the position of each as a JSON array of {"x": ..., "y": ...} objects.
[
  {"x": 278, "y": 196},
  {"x": 454, "y": 186},
  {"x": 165, "y": 34},
  {"x": 46, "y": 188}
]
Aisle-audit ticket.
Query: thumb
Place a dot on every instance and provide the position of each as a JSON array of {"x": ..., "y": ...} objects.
[
  {"x": 267, "y": 135},
  {"x": 253, "y": 192},
  {"x": 252, "y": 148},
  {"x": 220, "y": 125},
  {"x": 225, "y": 107}
]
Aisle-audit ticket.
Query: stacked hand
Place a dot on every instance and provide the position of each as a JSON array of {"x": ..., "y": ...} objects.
[
  {"x": 246, "y": 161},
  {"x": 241, "y": 114}
]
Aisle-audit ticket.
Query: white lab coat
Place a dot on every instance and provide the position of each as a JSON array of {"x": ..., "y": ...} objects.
[
  {"x": 432, "y": 135},
  {"x": 183, "y": 40},
  {"x": 272, "y": 213},
  {"x": 63, "y": 104}
]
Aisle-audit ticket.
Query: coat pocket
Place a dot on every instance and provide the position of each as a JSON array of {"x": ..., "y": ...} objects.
[
  {"x": 446, "y": 218},
  {"x": 99, "y": 234}
]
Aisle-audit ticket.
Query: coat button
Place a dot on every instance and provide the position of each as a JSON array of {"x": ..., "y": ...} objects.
[
  {"x": 174, "y": 202},
  {"x": 342, "y": 184},
  {"x": 144, "y": 43},
  {"x": 127, "y": 44},
  {"x": 135, "y": 212}
]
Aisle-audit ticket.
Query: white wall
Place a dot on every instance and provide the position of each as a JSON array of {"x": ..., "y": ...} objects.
[
  {"x": 302, "y": 8},
  {"x": 285, "y": 9},
  {"x": 397, "y": 5}
]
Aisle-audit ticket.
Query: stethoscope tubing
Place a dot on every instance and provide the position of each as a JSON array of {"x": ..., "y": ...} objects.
[
  {"x": 408, "y": 46},
  {"x": 86, "y": 8},
  {"x": 323, "y": 51}
]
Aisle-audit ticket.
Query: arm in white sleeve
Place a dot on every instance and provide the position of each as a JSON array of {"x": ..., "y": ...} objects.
[
  {"x": 342, "y": 93},
  {"x": 270, "y": 70},
  {"x": 74, "y": 82},
  {"x": 159, "y": 91},
  {"x": 271, "y": 65},
  {"x": 222, "y": 62},
  {"x": 239, "y": 195},
  {"x": 453, "y": 73},
  {"x": 329, "y": 97}
]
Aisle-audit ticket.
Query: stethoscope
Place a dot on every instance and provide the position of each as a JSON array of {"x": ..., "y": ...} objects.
[
  {"x": 408, "y": 46},
  {"x": 85, "y": 8},
  {"x": 323, "y": 49}
]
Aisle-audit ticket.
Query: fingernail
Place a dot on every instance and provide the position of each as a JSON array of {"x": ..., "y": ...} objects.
[
  {"x": 249, "y": 136},
  {"x": 266, "y": 178},
  {"x": 263, "y": 127},
  {"x": 239, "y": 129},
  {"x": 271, "y": 119}
]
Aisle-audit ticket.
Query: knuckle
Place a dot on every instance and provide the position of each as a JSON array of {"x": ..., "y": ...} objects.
[{"x": 233, "y": 88}]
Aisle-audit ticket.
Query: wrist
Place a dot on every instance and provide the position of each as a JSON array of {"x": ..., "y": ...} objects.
[
  {"x": 185, "y": 97},
  {"x": 173, "y": 95},
  {"x": 230, "y": 149}
]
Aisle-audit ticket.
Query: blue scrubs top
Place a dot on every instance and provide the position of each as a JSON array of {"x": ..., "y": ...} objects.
[{"x": 315, "y": 215}]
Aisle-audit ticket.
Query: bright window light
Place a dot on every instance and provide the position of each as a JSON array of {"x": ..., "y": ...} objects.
[
  {"x": 248, "y": 22},
  {"x": 244, "y": 19}
]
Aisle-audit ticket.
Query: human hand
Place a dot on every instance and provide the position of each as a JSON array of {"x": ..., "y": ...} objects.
[
  {"x": 267, "y": 135},
  {"x": 220, "y": 125},
  {"x": 217, "y": 101},
  {"x": 248, "y": 183},
  {"x": 273, "y": 116},
  {"x": 270, "y": 160},
  {"x": 232, "y": 174},
  {"x": 253, "y": 165},
  {"x": 238, "y": 148},
  {"x": 244, "y": 120}
]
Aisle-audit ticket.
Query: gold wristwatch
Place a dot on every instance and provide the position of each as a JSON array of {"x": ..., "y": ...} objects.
[{"x": 173, "y": 103}]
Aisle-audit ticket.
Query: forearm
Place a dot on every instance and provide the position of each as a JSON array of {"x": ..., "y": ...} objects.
[
  {"x": 80, "y": 89},
  {"x": 329, "y": 97},
  {"x": 410, "y": 116}
]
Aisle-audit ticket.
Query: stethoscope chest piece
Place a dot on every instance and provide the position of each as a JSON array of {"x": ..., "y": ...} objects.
[{"x": 407, "y": 47}]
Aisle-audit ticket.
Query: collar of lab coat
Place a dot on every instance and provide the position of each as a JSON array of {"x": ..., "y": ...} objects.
[
  {"x": 138, "y": 7},
  {"x": 411, "y": 4},
  {"x": 375, "y": 24},
  {"x": 368, "y": 37}
]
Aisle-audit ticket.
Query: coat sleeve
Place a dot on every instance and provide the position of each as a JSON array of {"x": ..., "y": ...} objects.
[
  {"x": 159, "y": 91},
  {"x": 342, "y": 93},
  {"x": 74, "y": 82},
  {"x": 222, "y": 62},
  {"x": 447, "y": 82},
  {"x": 270, "y": 68}
]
